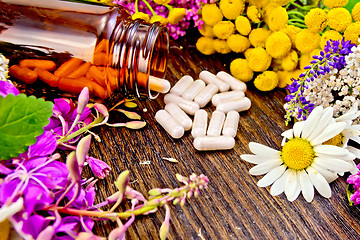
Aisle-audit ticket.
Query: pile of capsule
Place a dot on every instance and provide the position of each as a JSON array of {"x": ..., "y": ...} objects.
[{"x": 187, "y": 97}]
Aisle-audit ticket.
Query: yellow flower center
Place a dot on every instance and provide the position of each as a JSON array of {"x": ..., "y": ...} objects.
[
  {"x": 297, "y": 154},
  {"x": 336, "y": 141}
]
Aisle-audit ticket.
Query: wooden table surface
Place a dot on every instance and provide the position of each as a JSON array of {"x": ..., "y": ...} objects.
[{"x": 232, "y": 207}]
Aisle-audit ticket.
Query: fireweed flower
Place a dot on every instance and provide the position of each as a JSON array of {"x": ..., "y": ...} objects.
[
  {"x": 64, "y": 114},
  {"x": 7, "y": 88},
  {"x": 303, "y": 161}
]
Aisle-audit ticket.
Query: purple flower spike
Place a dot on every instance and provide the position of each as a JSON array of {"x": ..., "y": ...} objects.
[
  {"x": 82, "y": 100},
  {"x": 7, "y": 88},
  {"x": 98, "y": 167}
]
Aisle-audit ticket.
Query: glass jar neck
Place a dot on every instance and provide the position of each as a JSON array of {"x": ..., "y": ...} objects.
[{"x": 138, "y": 50}]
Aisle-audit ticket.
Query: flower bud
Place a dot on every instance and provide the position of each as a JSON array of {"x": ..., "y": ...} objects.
[
  {"x": 122, "y": 181},
  {"x": 164, "y": 229},
  {"x": 82, "y": 149},
  {"x": 155, "y": 192},
  {"x": 73, "y": 167},
  {"x": 83, "y": 99}
]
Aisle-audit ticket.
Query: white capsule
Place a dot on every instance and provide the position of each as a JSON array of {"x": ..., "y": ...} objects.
[
  {"x": 208, "y": 77},
  {"x": 234, "y": 83},
  {"x": 226, "y": 96},
  {"x": 216, "y": 123},
  {"x": 169, "y": 123},
  {"x": 236, "y": 105},
  {"x": 199, "y": 124},
  {"x": 189, "y": 107},
  {"x": 206, "y": 94},
  {"x": 207, "y": 143},
  {"x": 231, "y": 124},
  {"x": 176, "y": 112},
  {"x": 193, "y": 90},
  {"x": 181, "y": 85}
]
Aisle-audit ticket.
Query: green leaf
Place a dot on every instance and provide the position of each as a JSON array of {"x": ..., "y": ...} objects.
[
  {"x": 130, "y": 104},
  {"x": 350, "y": 5},
  {"x": 22, "y": 119}
]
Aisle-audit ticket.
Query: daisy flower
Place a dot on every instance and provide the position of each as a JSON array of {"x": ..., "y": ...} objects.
[{"x": 304, "y": 162}]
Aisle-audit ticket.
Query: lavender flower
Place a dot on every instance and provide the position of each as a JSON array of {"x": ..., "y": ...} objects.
[{"x": 332, "y": 57}]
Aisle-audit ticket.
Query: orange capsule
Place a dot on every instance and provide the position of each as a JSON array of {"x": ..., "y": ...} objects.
[
  {"x": 47, "y": 77},
  {"x": 68, "y": 67},
  {"x": 34, "y": 63},
  {"x": 24, "y": 74}
]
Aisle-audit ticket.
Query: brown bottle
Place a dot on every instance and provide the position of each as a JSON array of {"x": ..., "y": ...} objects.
[{"x": 120, "y": 53}]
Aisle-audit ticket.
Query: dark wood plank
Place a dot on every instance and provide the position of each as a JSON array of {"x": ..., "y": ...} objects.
[{"x": 232, "y": 207}]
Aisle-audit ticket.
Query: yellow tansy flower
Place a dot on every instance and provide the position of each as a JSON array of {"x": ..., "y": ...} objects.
[
  {"x": 278, "y": 44},
  {"x": 285, "y": 77},
  {"x": 243, "y": 25},
  {"x": 221, "y": 46},
  {"x": 280, "y": 2},
  {"x": 259, "y": 3},
  {"x": 258, "y": 36},
  {"x": 290, "y": 61},
  {"x": 206, "y": 30},
  {"x": 335, "y": 3},
  {"x": 259, "y": 59},
  {"x": 316, "y": 20},
  {"x": 266, "y": 81},
  {"x": 291, "y": 31},
  {"x": 231, "y": 9},
  {"x": 224, "y": 29},
  {"x": 355, "y": 12},
  {"x": 141, "y": 15},
  {"x": 239, "y": 68},
  {"x": 176, "y": 14},
  {"x": 267, "y": 10},
  {"x": 352, "y": 33},
  {"x": 306, "y": 59},
  {"x": 339, "y": 19},
  {"x": 211, "y": 14},
  {"x": 161, "y": 2},
  {"x": 306, "y": 41},
  {"x": 158, "y": 18},
  {"x": 253, "y": 14},
  {"x": 277, "y": 19},
  {"x": 238, "y": 43},
  {"x": 330, "y": 34},
  {"x": 205, "y": 45}
]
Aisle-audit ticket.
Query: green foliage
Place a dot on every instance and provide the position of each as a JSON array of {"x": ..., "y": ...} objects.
[
  {"x": 350, "y": 5},
  {"x": 22, "y": 119}
]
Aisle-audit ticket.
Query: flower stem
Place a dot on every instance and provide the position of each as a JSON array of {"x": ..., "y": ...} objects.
[{"x": 149, "y": 7}]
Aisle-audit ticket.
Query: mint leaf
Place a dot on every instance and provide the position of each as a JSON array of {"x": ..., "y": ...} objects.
[{"x": 22, "y": 119}]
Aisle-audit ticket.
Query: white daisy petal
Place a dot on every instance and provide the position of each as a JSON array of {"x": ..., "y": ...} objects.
[
  {"x": 330, "y": 150},
  {"x": 298, "y": 127},
  {"x": 260, "y": 149},
  {"x": 291, "y": 184},
  {"x": 264, "y": 167},
  {"x": 319, "y": 182},
  {"x": 307, "y": 188},
  {"x": 279, "y": 185},
  {"x": 355, "y": 138},
  {"x": 348, "y": 157},
  {"x": 328, "y": 175},
  {"x": 354, "y": 151},
  {"x": 288, "y": 134},
  {"x": 329, "y": 132},
  {"x": 271, "y": 176},
  {"x": 333, "y": 164},
  {"x": 296, "y": 194},
  {"x": 256, "y": 159},
  {"x": 354, "y": 170},
  {"x": 350, "y": 115},
  {"x": 325, "y": 119},
  {"x": 312, "y": 121}
]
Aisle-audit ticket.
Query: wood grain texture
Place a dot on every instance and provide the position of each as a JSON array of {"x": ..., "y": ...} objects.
[{"x": 232, "y": 207}]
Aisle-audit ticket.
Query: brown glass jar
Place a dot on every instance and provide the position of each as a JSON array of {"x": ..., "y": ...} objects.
[{"x": 126, "y": 52}]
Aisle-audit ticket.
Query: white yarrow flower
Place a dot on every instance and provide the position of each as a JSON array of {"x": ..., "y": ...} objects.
[{"x": 303, "y": 163}]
